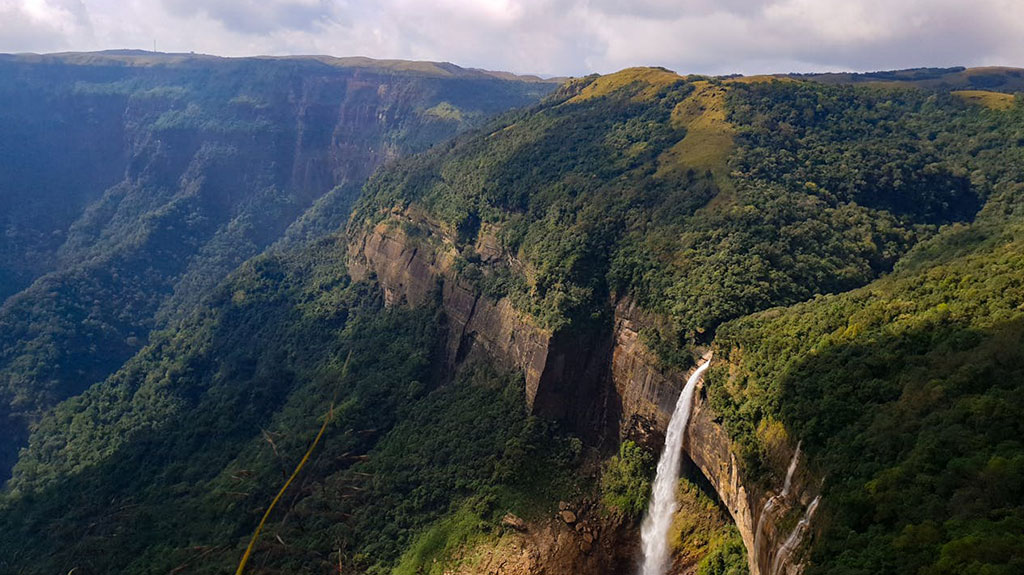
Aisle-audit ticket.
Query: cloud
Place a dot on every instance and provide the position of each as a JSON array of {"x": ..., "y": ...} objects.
[
  {"x": 42, "y": 25},
  {"x": 257, "y": 17},
  {"x": 546, "y": 36}
]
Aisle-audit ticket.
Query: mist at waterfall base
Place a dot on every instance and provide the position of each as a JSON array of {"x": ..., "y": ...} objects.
[{"x": 662, "y": 506}]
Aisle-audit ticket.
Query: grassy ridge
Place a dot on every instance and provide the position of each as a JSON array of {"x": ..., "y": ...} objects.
[
  {"x": 703, "y": 200},
  {"x": 991, "y": 100}
]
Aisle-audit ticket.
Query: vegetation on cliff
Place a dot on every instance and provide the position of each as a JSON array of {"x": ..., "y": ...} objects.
[
  {"x": 132, "y": 184},
  {"x": 603, "y": 195},
  {"x": 703, "y": 535},
  {"x": 175, "y": 457},
  {"x": 853, "y": 253},
  {"x": 626, "y": 480},
  {"x": 907, "y": 393}
]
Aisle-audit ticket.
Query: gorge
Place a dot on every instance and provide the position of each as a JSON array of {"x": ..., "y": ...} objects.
[{"x": 510, "y": 289}]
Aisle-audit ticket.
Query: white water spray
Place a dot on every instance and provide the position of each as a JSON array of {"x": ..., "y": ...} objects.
[
  {"x": 654, "y": 533},
  {"x": 772, "y": 501},
  {"x": 794, "y": 538}
]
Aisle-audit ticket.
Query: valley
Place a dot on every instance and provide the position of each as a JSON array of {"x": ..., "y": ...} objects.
[{"x": 498, "y": 288}]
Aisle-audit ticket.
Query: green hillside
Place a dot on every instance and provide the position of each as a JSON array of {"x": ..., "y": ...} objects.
[
  {"x": 131, "y": 185},
  {"x": 824, "y": 190},
  {"x": 852, "y": 252}
]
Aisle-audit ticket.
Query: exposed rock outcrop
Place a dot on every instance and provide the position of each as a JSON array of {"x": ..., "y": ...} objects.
[
  {"x": 413, "y": 269},
  {"x": 414, "y": 260},
  {"x": 590, "y": 544},
  {"x": 601, "y": 384},
  {"x": 648, "y": 394}
]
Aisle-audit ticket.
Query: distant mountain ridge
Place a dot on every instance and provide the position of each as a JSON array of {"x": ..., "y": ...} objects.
[
  {"x": 144, "y": 58},
  {"x": 998, "y": 78}
]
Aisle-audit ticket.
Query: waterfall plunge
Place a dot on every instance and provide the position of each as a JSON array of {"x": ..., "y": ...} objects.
[{"x": 654, "y": 533}]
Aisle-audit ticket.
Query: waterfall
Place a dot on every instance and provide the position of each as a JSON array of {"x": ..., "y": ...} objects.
[
  {"x": 654, "y": 533},
  {"x": 790, "y": 470},
  {"x": 772, "y": 501},
  {"x": 794, "y": 538}
]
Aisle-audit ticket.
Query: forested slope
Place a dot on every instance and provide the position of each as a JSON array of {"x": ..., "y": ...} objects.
[
  {"x": 803, "y": 190},
  {"x": 907, "y": 393},
  {"x": 174, "y": 458},
  {"x": 851, "y": 253},
  {"x": 131, "y": 184}
]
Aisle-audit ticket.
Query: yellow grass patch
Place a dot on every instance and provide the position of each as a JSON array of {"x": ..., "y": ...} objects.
[
  {"x": 991, "y": 100},
  {"x": 708, "y": 140},
  {"x": 445, "y": 111},
  {"x": 654, "y": 78}
]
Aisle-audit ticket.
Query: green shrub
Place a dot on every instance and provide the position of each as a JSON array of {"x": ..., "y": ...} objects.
[
  {"x": 730, "y": 558},
  {"x": 626, "y": 480}
]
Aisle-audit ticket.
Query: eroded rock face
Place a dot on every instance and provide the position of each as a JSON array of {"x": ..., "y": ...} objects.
[
  {"x": 414, "y": 260},
  {"x": 600, "y": 384},
  {"x": 648, "y": 395},
  {"x": 413, "y": 270},
  {"x": 553, "y": 547},
  {"x": 709, "y": 448}
]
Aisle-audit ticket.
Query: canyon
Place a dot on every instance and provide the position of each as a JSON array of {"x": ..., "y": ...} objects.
[{"x": 494, "y": 331}]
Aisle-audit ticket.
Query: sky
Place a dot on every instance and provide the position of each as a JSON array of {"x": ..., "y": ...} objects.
[{"x": 548, "y": 37}]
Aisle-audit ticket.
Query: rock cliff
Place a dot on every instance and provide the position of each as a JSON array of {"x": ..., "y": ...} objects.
[
  {"x": 579, "y": 539},
  {"x": 648, "y": 393},
  {"x": 606, "y": 386},
  {"x": 414, "y": 260}
]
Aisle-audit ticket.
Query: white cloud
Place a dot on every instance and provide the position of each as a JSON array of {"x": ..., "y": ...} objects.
[
  {"x": 27, "y": 25},
  {"x": 258, "y": 17},
  {"x": 545, "y": 36}
]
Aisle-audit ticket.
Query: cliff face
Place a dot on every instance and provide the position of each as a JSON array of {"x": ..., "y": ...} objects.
[
  {"x": 605, "y": 384},
  {"x": 577, "y": 540},
  {"x": 563, "y": 374},
  {"x": 411, "y": 270},
  {"x": 648, "y": 395},
  {"x": 136, "y": 183}
]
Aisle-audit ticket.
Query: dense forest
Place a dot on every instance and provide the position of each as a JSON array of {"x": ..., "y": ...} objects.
[
  {"x": 907, "y": 393},
  {"x": 202, "y": 424},
  {"x": 132, "y": 184},
  {"x": 850, "y": 247}
]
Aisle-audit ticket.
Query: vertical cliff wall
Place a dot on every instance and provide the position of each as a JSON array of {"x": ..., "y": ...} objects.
[
  {"x": 648, "y": 392},
  {"x": 412, "y": 268},
  {"x": 605, "y": 385}
]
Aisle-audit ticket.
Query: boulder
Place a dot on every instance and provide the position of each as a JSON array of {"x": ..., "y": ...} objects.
[{"x": 513, "y": 522}]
